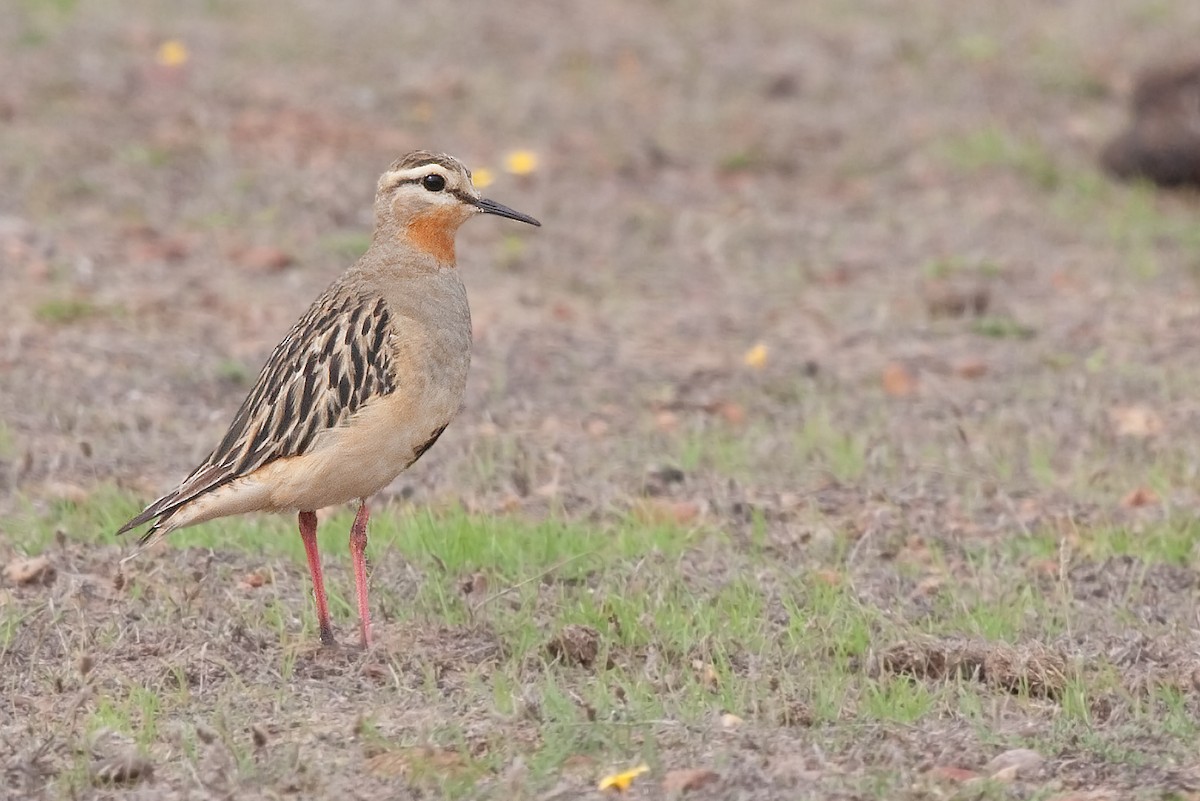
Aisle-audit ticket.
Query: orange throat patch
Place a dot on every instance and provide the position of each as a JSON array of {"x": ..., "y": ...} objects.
[{"x": 434, "y": 233}]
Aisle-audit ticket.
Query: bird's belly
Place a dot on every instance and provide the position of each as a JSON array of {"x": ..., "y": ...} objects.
[{"x": 358, "y": 459}]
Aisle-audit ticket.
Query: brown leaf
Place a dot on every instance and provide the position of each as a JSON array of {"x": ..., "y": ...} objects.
[
  {"x": 388, "y": 764},
  {"x": 666, "y": 421},
  {"x": 685, "y": 779},
  {"x": 1045, "y": 566},
  {"x": 264, "y": 257},
  {"x": 707, "y": 674},
  {"x": 146, "y": 244},
  {"x": 898, "y": 380},
  {"x": 37, "y": 569},
  {"x": 970, "y": 368},
  {"x": 509, "y": 503},
  {"x": 256, "y": 578},
  {"x": 399, "y": 762},
  {"x": 730, "y": 412},
  {"x": 1139, "y": 497},
  {"x": 953, "y": 774},
  {"x": 930, "y": 585},
  {"x": 171, "y": 249},
  {"x": 65, "y": 491},
  {"x": 665, "y": 511},
  {"x": 1135, "y": 421},
  {"x": 829, "y": 577}
]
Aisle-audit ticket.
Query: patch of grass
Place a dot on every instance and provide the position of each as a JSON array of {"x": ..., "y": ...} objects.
[
  {"x": 1135, "y": 218},
  {"x": 67, "y": 310},
  {"x": 1172, "y": 541},
  {"x": 998, "y": 327},
  {"x": 140, "y": 155},
  {"x": 346, "y": 245},
  {"x": 1058, "y": 67},
  {"x": 687, "y": 626},
  {"x": 743, "y": 161},
  {"x": 234, "y": 372},
  {"x": 135, "y": 713},
  {"x": 897, "y": 699},
  {"x": 715, "y": 448},
  {"x": 951, "y": 266},
  {"x": 40, "y": 20},
  {"x": 219, "y": 219},
  {"x": 8, "y": 442},
  {"x": 995, "y": 147},
  {"x": 821, "y": 443},
  {"x": 510, "y": 251},
  {"x": 977, "y": 47},
  {"x": 833, "y": 447}
]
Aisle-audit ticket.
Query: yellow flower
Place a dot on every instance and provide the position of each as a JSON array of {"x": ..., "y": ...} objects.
[
  {"x": 521, "y": 162},
  {"x": 172, "y": 53},
  {"x": 621, "y": 781},
  {"x": 756, "y": 357},
  {"x": 483, "y": 178},
  {"x": 423, "y": 111}
]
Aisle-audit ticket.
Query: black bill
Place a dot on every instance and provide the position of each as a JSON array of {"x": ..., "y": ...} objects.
[{"x": 492, "y": 207}]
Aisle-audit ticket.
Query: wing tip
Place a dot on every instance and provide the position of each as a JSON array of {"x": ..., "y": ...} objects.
[
  {"x": 134, "y": 523},
  {"x": 162, "y": 508},
  {"x": 150, "y": 532}
]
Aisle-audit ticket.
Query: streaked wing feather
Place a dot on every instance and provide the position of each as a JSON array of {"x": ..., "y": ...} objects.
[{"x": 334, "y": 360}]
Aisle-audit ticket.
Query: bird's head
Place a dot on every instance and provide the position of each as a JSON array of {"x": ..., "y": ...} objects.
[{"x": 426, "y": 196}]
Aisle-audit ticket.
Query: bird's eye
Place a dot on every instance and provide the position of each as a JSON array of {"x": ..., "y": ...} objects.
[{"x": 433, "y": 182}]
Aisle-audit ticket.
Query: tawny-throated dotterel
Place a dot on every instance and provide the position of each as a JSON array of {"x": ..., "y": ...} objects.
[{"x": 363, "y": 384}]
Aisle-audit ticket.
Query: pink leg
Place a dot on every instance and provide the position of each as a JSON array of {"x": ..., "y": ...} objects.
[
  {"x": 308, "y": 532},
  {"x": 358, "y": 547}
]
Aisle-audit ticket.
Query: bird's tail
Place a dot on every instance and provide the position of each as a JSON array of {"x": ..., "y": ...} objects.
[{"x": 160, "y": 512}]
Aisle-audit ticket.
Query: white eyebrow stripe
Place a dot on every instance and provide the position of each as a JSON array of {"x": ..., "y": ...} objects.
[{"x": 412, "y": 174}]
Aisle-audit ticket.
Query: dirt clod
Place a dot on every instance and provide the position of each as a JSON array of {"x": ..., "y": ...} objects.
[
  {"x": 575, "y": 645},
  {"x": 1031, "y": 667},
  {"x": 950, "y": 299},
  {"x": 475, "y": 585}
]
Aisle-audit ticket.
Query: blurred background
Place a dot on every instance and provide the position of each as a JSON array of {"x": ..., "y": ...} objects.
[{"x": 846, "y": 285}]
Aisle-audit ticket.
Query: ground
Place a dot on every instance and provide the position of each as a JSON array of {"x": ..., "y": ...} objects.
[{"x": 834, "y": 437}]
